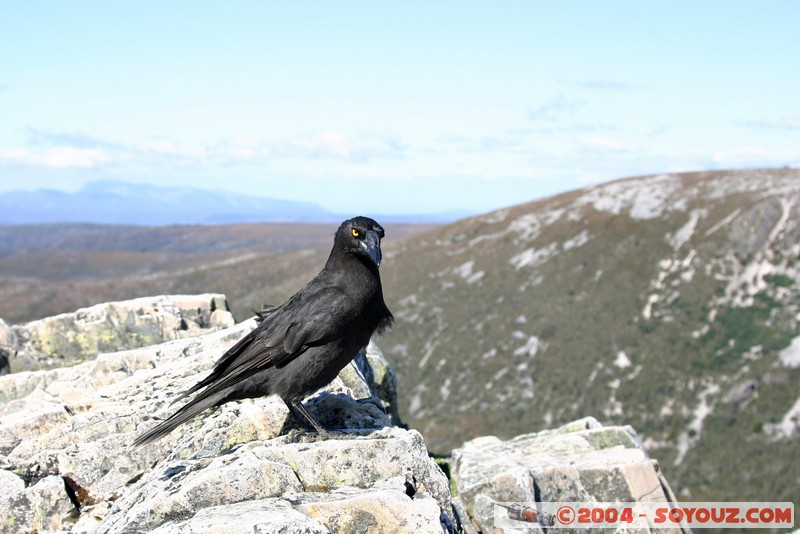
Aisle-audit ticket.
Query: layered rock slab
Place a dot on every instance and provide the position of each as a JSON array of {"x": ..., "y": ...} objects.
[
  {"x": 582, "y": 461},
  {"x": 68, "y": 338}
]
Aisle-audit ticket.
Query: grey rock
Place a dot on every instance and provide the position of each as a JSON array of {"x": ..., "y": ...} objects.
[
  {"x": 178, "y": 489},
  {"x": 742, "y": 392},
  {"x": 379, "y": 510},
  {"x": 582, "y": 461},
  {"x": 750, "y": 231},
  {"x": 44, "y": 505},
  {"x": 8, "y": 342},
  {"x": 234, "y": 469},
  {"x": 74, "y": 337},
  {"x": 268, "y": 516},
  {"x": 345, "y": 484}
]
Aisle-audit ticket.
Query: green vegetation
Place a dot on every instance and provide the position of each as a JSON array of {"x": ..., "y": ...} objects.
[
  {"x": 444, "y": 464},
  {"x": 779, "y": 280},
  {"x": 737, "y": 330}
]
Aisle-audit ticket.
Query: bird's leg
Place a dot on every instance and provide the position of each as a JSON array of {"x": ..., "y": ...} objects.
[{"x": 298, "y": 409}]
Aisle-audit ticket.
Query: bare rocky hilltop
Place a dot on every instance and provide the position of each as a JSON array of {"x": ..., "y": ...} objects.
[{"x": 67, "y": 464}]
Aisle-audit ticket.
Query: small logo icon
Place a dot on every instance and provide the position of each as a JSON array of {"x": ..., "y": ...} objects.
[{"x": 566, "y": 515}]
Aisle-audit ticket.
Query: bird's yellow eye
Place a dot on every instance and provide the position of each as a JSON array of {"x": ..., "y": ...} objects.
[{"x": 355, "y": 232}]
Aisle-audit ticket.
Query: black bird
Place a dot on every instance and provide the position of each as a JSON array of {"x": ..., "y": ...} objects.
[{"x": 301, "y": 345}]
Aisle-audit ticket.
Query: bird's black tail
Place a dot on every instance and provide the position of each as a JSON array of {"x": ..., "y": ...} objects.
[{"x": 191, "y": 410}]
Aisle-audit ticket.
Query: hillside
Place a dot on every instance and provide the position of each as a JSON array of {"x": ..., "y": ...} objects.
[{"x": 666, "y": 301}]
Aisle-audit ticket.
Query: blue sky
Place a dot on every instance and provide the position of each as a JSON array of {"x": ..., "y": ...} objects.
[{"x": 388, "y": 107}]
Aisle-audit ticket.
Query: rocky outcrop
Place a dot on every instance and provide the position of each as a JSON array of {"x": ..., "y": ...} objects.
[
  {"x": 66, "y": 463},
  {"x": 72, "y": 337},
  {"x": 582, "y": 461},
  {"x": 381, "y": 479}
]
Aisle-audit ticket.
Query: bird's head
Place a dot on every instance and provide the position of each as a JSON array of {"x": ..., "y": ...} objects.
[{"x": 361, "y": 236}]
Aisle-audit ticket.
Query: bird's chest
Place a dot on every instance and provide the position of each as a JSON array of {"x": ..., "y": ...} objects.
[{"x": 316, "y": 368}]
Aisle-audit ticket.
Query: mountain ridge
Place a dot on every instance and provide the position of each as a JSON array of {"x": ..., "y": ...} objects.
[{"x": 118, "y": 202}]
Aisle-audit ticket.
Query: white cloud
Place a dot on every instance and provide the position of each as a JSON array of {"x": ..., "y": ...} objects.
[
  {"x": 755, "y": 156},
  {"x": 558, "y": 107},
  {"x": 60, "y": 157},
  {"x": 607, "y": 144},
  {"x": 371, "y": 172},
  {"x": 170, "y": 149},
  {"x": 600, "y": 85},
  {"x": 783, "y": 123},
  {"x": 81, "y": 151},
  {"x": 321, "y": 145},
  {"x": 335, "y": 144}
]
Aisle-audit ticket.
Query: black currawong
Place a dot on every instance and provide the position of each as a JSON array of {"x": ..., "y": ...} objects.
[{"x": 301, "y": 345}]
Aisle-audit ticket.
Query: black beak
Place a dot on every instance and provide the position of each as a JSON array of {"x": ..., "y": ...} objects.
[{"x": 372, "y": 244}]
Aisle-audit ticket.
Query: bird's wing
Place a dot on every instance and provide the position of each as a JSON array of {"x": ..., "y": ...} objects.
[
  {"x": 316, "y": 321},
  {"x": 313, "y": 317},
  {"x": 308, "y": 319},
  {"x": 222, "y": 364}
]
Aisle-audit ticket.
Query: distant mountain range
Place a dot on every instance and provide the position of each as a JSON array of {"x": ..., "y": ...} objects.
[{"x": 112, "y": 202}]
